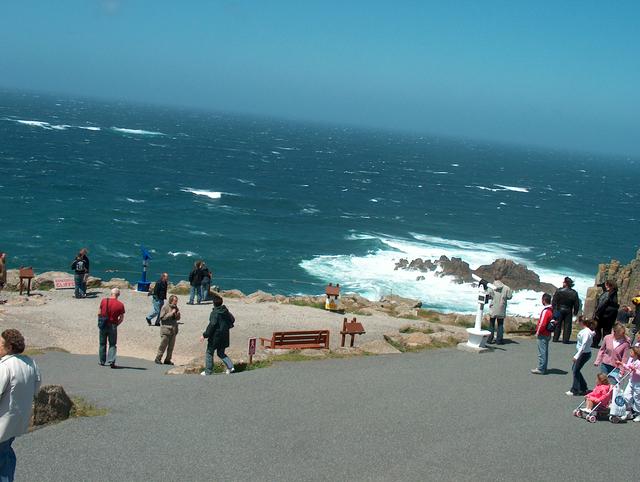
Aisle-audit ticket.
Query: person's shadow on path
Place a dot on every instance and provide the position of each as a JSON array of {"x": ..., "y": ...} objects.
[
  {"x": 122, "y": 367},
  {"x": 556, "y": 371}
]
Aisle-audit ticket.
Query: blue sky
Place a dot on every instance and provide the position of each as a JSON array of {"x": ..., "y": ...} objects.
[{"x": 560, "y": 74}]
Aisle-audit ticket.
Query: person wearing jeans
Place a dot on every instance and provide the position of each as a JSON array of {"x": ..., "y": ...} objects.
[
  {"x": 159, "y": 295},
  {"x": 543, "y": 335},
  {"x": 217, "y": 336},
  {"x": 195, "y": 280},
  {"x": 113, "y": 310},
  {"x": 566, "y": 302},
  {"x": 582, "y": 356}
]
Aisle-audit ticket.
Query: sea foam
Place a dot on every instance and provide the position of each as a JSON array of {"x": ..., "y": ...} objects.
[
  {"x": 202, "y": 192},
  {"x": 137, "y": 132},
  {"x": 373, "y": 274}
]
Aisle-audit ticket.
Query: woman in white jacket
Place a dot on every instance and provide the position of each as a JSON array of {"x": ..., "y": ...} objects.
[{"x": 583, "y": 353}]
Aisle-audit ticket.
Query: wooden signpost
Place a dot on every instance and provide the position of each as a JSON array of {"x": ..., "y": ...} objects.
[{"x": 252, "y": 349}]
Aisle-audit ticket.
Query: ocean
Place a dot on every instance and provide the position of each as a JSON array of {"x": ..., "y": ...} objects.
[{"x": 287, "y": 206}]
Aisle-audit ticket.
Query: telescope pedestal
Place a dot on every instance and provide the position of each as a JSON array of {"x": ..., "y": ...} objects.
[{"x": 477, "y": 341}]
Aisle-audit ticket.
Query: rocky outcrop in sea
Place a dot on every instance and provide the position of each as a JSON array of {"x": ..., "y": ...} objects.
[{"x": 516, "y": 276}]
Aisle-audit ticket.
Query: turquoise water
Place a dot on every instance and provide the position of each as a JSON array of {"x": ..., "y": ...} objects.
[{"x": 286, "y": 207}]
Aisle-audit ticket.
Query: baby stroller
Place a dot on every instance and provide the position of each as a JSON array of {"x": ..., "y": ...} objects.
[{"x": 616, "y": 409}]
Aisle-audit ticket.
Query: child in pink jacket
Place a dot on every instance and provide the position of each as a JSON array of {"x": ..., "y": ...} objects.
[
  {"x": 632, "y": 392},
  {"x": 600, "y": 394}
]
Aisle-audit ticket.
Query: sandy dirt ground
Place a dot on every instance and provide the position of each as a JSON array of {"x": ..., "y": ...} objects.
[{"x": 57, "y": 319}]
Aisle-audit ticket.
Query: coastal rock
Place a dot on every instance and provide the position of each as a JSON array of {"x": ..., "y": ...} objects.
[
  {"x": 232, "y": 294},
  {"x": 282, "y": 299},
  {"x": 626, "y": 276},
  {"x": 379, "y": 347},
  {"x": 94, "y": 282},
  {"x": 44, "y": 281},
  {"x": 51, "y": 404},
  {"x": 456, "y": 268},
  {"x": 181, "y": 288},
  {"x": 120, "y": 283},
  {"x": 515, "y": 276},
  {"x": 13, "y": 280},
  {"x": 260, "y": 297}
]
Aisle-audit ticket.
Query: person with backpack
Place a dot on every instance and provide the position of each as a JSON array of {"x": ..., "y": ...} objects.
[
  {"x": 543, "y": 333},
  {"x": 110, "y": 315},
  {"x": 195, "y": 280},
  {"x": 566, "y": 305},
  {"x": 159, "y": 295},
  {"x": 217, "y": 335},
  {"x": 80, "y": 267}
]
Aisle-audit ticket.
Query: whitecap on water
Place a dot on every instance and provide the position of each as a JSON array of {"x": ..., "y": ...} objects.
[
  {"x": 131, "y": 200},
  {"x": 138, "y": 132},
  {"x": 513, "y": 188},
  {"x": 188, "y": 254},
  {"x": 202, "y": 192}
]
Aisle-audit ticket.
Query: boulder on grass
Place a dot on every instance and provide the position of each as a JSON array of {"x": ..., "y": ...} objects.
[
  {"x": 51, "y": 405},
  {"x": 120, "y": 283},
  {"x": 44, "y": 281}
]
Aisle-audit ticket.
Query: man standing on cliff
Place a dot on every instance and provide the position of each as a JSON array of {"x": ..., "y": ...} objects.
[
  {"x": 567, "y": 303},
  {"x": 19, "y": 383},
  {"x": 159, "y": 294},
  {"x": 500, "y": 294}
]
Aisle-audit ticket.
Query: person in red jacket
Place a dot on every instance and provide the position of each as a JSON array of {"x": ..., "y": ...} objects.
[
  {"x": 113, "y": 310},
  {"x": 543, "y": 335}
]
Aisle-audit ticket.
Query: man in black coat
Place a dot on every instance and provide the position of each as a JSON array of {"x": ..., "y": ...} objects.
[
  {"x": 217, "y": 336},
  {"x": 566, "y": 304}
]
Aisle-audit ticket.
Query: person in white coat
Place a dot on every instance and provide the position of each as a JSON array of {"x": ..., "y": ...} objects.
[
  {"x": 500, "y": 294},
  {"x": 19, "y": 383}
]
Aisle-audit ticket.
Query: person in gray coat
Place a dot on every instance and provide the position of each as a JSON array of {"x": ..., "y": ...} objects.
[{"x": 500, "y": 293}]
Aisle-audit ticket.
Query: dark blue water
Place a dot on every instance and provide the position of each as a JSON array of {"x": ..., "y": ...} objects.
[{"x": 285, "y": 206}]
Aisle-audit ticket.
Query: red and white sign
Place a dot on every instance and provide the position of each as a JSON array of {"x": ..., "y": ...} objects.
[
  {"x": 252, "y": 346},
  {"x": 63, "y": 283}
]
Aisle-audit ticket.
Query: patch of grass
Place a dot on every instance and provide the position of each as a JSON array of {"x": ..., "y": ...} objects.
[
  {"x": 429, "y": 315},
  {"x": 84, "y": 408},
  {"x": 319, "y": 306},
  {"x": 415, "y": 329},
  {"x": 41, "y": 351}
]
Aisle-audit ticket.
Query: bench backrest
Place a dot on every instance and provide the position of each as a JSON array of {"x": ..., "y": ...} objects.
[{"x": 310, "y": 337}]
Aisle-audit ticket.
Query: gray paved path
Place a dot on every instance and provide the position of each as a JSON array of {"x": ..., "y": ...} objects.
[{"x": 435, "y": 415}]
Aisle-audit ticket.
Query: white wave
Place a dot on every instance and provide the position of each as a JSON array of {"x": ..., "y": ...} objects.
[
  {"x": 566, "y": 194},
  {"x": 513, "y": 188},
  {"x": 373, "y": 275},
  {"x": 188, "y": 254},
  {"x": 139, "y": 132},
  {"x": 131, "y": 200},
  {"x": 275, "y": 152},
  {"x": 245, "y": 181},
  {"x": 202, "y": 192},
  {"x": 88, "y": 128},
  {"x": 118, "y": 254},
  {"x": 199, "y": 233},
  {"x": 309, "y": 211},
  {"x": 484, "y": 188},
  {"x": 126, "y": 221},
  {"x": 374, "y": 200},
  {"x": 455, "y": 165},
  {"x": 441, "y": 172},
  {"x": 287, "y": 148}
]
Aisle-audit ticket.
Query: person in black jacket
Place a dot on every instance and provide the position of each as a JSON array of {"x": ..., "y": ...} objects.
[
  {"x": 80, "y": 267},
  {"x": 217, "y": 336},
  {"x": 606, "y": 311},
  {"x": 566, "y": 303},
  {"x": 159, "y": 294},
  {"x": 195, "y": 280}
]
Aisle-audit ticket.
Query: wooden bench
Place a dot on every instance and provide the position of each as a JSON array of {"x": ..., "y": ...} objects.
[
  {"x": 352, "y": 328},
  {"x": 297, "y": 340}
]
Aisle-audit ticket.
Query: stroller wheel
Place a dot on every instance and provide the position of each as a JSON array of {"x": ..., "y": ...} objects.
[
  {"x": 614, "y": 419},
  {"x": 591, "y": 419},
  {"x": 577, "y": 413}
]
